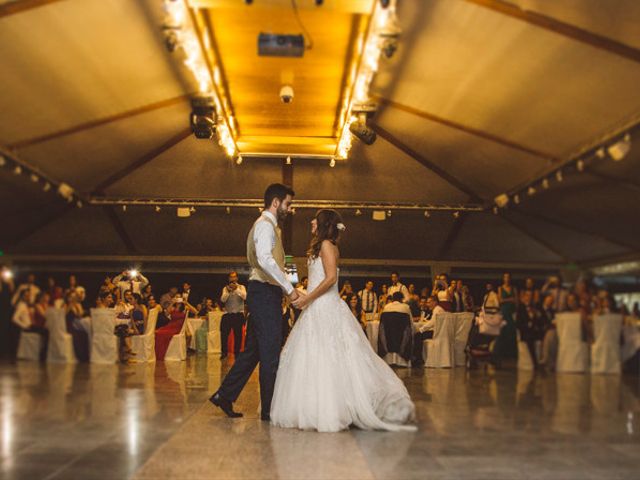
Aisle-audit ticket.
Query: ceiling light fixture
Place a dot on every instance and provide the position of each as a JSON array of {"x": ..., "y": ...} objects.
[
  {"x": 239, "y": 160},
  {"x": 620, "y": 149},
  {"x": 531, "y": 191},
  {"x": 559, "y": 176},
  {"x": 580, "y": 165},
  {"x": 288, "y": 160},
  {"x": 17, "y": 170},
  {"x": 332, "y": 162}
]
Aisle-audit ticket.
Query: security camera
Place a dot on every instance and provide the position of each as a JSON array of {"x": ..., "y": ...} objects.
[{"x": 286, "y": 94}]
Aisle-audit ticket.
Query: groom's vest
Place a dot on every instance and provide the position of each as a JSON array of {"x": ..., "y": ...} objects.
[{"x": 278, "y": 253}]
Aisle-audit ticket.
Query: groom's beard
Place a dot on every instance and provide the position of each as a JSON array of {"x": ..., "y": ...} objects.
[{"x": 282, "y": 215}]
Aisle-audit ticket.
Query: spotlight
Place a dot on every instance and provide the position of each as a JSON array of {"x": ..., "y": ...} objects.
[
  {"x": 79, "y": 204},
  {"x": 65, "y": 191},
  {"x": 545, "y": 183},
  {"x": 192, "y": 210},
  {"x": 495, "y": 210},
  {"x": 502, "y": 200},
  {"x": 288, "y": 160},
  {"x": 7, "y": 274},
  {"x": 183, "y": 212},
  {"x": 203, "y": 112},
  {"x": 516, "y": 199},
  {"x": 17, "y": 170},
  {"x": 389, "y": 213},
  {"x": 239, "y": 160},
  {"x": 580, "y": 165},
  {"x": 47, "y": 187},
  {"x": 426, "y": 214},
  {"x": 34, "y": 178},
  {"x": 3, "y": 161},
  {"x": 228, "y": 209},
  {"x": 124, "y": 208},
  {"x": 332, "y": 163},
  {"x": 531, "y": 191},
  {"x": 559, "y": 176},
  {"x": 620, "y": 149},
  {"x": 600, "y": 153},
  {"x": 358, "y": 212},
  {"x": 361, "y": 131},
  {"x": 158, "y": 208},
  {"x": 456, "y": 214}
]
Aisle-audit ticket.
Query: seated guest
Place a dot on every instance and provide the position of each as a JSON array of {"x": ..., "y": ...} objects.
[
  {"x": 467, "y": 299},
  {"x": 207, "y": 307},
  {"x": 178, "y": 314},
  {"x": 31, "y": 319},
  {"x": 78, "y": 331},
  {"x": 168, "y": 298},
  {"x": 356, "y": 309},
  {"x": 530, "y": 324},
  {"x": 396, "y": 330},
  {"x": 105, "y": 300},
  {"x": 491, "y": 301},
  {"x": 425, "y": 331},
  {"x": 139, "y": 315},
  {"x": 146, "y": 293},
  {"x": 124, "y": 307},
  {"x": 423, "y": 310}
]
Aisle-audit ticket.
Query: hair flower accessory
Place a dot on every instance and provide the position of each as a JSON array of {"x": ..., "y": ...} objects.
[{"x": 341, "y": 226}]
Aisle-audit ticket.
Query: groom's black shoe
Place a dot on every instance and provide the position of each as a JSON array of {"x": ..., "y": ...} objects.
[
  {"x": 225, "y": 405},
  {"x": 265, "y": 418}
]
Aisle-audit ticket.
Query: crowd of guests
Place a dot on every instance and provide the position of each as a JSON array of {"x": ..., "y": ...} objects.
[{"x": 527, "y": 308}]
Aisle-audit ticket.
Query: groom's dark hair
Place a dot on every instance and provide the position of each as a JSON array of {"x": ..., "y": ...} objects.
[{"x": 276, "y": 190}]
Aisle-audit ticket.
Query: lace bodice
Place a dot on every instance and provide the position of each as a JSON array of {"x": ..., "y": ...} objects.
[{"x": 316, "y": 275}]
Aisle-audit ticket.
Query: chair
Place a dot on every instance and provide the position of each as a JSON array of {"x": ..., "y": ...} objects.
[
  {"x": 438, "y": 351},
  {"x": 395, "y": 338},
  {"x": 605, "y": 351},
  {"x": 177, "y": 350},
  {"x": 29, "y": 346},
  {"x": 60, "y": 341},
  {"x": 463, "y": 323},
  {"x": 144, "y": 346},
  {"x": 573, "y": 354},
  {"x": 104, "y": 344},
  {"x": 214, "y": 341}
]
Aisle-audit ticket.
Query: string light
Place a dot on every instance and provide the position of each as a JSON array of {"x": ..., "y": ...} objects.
[
  {"x": 46, "y": 187},
  {"x": 34, "y": 178},
  {"x": 17, "y": 170},
  {"x": 600, "y": 153},
  {"x": 559, "y": 176},
  {"x": 531, "y": 191},
  {"x": 545, "y": 183},
  {"x": 580, "y": 165}
]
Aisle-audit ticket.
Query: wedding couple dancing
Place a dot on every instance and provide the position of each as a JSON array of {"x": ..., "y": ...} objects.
[{"x": 328, "y": 376}]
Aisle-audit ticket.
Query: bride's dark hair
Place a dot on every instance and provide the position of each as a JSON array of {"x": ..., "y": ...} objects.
[{"x": 328, "y": 221}]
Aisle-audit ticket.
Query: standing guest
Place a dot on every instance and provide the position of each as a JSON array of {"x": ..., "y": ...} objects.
[
  {"x": 506, "y": 346},
  {"x": 573, "y": 305},
  {"x": 186, "y": 291},
  {"x": 79, "y": 334},
  {"x": 467, "y": 299},
  {"x": 530, "y": 286},
  {"x": 553, "y": 287},
  {"x": 369, "y": 301},
  {"x": 382, "y": 299},
  {"x": 105, "y": 300},
  {"x": 530, "y": 324},
  {"x": 31, "y": 287},
  {"x": 442, "y": 292},
  {"x": 455, "y": 290},
  {"x": 414, "y": 300},
  {"x": 397, "y": 286},
  {"x": 356, "y": 309},
  {"x": 23, "y": 312},
  {"x": 233, "y": 296},
  {"x": 346, "y": 291},
  {"x": 125, "y": 305},
  {"x": 130, "y": 280},
  {"x": 7, "y": 289},
  {"x": 550, "y": 339},
  {"x": 58, "y": 299},
  {"x": 81, "y": 293},
  {"x": 51, "y": 285},
  {"x": 146, "y": 293}
]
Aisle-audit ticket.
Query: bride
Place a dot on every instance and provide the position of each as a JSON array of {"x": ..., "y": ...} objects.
[{"x": 329, "y": 376}]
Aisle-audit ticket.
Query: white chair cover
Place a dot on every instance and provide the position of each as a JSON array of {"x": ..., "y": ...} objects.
[
  {"x": 463, "y": 323},
  {"x": 29, "y": 346},
  {"x": 104, "y": 344},
  {"x": 573, "y": 354},
  {"x": 177, "y": 350},
  {"x": 525, "y": 362},
  {"x": 144, "y": 346},
  {"x": 438, "y": 351},
  {"x": 60, "y": 341},
  {"x": 605, "y": 351},
  {"x": 214, "y": 341}
]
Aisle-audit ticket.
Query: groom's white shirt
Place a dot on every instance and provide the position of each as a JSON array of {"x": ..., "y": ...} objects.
[{"x": 264, "y": 238}]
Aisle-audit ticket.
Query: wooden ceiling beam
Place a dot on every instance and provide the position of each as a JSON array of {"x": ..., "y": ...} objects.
[
  {"x": 143, "y": 160},
  {"x": 561, "y": 28},
  {"x": 466, "y": 129},
  {"x": 446, "y": 176},
  {"x": 96, "y": 123},
  {"x": 451, "y": 236},
  {"x": 12, "y": 8}
]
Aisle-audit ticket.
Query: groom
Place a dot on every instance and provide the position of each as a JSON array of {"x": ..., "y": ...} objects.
[{"x": 267, "y": 281}]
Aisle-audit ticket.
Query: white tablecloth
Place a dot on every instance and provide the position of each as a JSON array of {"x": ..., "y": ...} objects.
[
  {"x": 374, "y": 327},
  {"x": 193, "y": 324}
]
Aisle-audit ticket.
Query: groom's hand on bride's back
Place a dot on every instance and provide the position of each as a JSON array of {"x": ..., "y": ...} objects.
[{"x": 294, "y": 295}]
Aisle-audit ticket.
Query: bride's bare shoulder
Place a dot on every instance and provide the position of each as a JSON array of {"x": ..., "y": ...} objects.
[{"x": 329, "y": 248}]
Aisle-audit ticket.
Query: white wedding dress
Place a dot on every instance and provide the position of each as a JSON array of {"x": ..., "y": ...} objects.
[{"x": 329, "y": 376}]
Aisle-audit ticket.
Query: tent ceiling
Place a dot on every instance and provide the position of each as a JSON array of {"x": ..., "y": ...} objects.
[{"x": 480, "y": 98}]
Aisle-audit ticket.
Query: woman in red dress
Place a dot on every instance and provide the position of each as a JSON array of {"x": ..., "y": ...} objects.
[{"x": 165, "y": 334}]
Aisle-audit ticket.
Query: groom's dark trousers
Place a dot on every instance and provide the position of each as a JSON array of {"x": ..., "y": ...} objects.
[{"x": 263, "y": 344}]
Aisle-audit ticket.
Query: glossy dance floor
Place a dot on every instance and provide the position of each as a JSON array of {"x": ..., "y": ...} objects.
[{"x": 153, "y": 422}]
